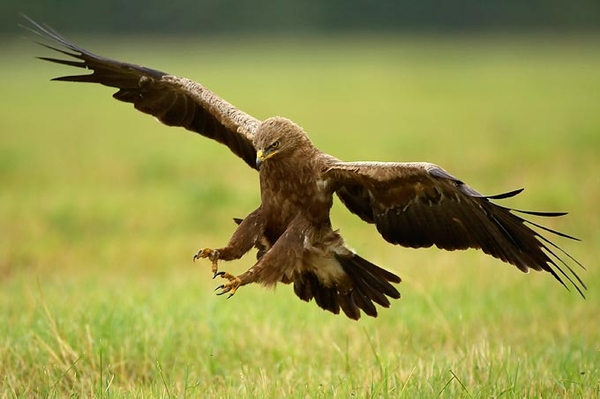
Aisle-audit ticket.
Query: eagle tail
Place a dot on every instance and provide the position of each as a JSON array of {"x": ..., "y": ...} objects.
[{"x": 368, "y": 284}]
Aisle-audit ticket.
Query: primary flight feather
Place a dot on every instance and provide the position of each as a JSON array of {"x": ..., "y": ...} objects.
[{"x": 411, "y": 204}]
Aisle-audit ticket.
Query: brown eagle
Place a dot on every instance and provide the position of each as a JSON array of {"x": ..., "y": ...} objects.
[{"x": 415, "y": 204}]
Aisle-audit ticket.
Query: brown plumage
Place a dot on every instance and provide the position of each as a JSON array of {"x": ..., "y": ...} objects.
[{"x": 411, "y": 204}]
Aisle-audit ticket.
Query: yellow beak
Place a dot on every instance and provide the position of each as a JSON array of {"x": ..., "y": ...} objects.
[{"x": 260, "y": 157}]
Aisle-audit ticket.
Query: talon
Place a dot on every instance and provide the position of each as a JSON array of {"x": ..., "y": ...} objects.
[
  {"x": 211, "y": 254},
  {"x": 224, "y": 289},
  {"x": 230, "y": 286},
  {"x": 217, "y": 274}
]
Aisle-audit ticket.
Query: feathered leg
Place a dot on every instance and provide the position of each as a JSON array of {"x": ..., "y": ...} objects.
[
  {"x": 243, "y": 239},
  {"x": 271, "y": 267}
]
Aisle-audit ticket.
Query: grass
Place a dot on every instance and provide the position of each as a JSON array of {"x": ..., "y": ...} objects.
[{"x": 101, "y": 209}]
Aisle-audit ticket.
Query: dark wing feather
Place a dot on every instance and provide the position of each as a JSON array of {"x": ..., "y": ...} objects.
[
  {"x": 420, "y": 204},
  {"x": 173, "y": 100}
]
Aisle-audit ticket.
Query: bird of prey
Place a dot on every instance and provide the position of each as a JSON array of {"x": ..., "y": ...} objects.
[{"x": 414, "y": 204}]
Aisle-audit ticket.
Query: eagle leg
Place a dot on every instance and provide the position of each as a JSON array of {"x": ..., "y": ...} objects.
[
  {"x": 243, "y": 239},
  {"x": 212, "y": 255}
]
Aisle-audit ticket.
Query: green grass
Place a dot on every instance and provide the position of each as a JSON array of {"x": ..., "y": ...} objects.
[{"x": 101, "y": 209}]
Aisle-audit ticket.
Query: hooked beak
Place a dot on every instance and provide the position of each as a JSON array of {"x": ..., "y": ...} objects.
[{"x": 260, "y": 157}]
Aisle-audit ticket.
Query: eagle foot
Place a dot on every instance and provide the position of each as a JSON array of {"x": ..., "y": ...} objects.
[
  {"x": 230, "y": 286},
  {"x": 212, "y": 255}
]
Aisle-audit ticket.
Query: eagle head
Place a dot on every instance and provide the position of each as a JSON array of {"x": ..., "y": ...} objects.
[{"x": 278, "y": 136}]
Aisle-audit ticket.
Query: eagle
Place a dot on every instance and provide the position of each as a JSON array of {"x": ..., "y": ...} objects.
[{"x": 412, "y": 204}]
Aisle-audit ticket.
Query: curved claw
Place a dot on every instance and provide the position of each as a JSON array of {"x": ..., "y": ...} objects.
[
  {"x": 225, "y": 290},
  {"x": 211, "y": 254},
  {"x": 230, "y": 286},
  {"x": 217, "y": 274}
]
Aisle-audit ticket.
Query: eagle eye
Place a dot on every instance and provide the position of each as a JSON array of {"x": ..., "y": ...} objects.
[{"x": 274, "y": 145}]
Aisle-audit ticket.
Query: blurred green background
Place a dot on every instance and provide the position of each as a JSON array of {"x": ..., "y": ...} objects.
[
  {"x": 211, "y": 17},
  {"x": 101, "y": 208}
]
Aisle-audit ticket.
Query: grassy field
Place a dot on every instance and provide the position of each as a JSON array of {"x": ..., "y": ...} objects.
[{"x": 101, "y": 209}]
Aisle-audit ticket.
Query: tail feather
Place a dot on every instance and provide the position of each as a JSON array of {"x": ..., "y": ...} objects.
[
  {"x": 373, "y": 276},
  {"x": 348, "y": 305},
  {"x": 368, "y": 285},
  {"x": 363, "y": 302}
]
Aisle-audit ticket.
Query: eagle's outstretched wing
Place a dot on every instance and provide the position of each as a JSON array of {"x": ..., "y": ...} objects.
[
  {"x": 173, "y": 100},
  {"x": 420, "y": 204}
]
